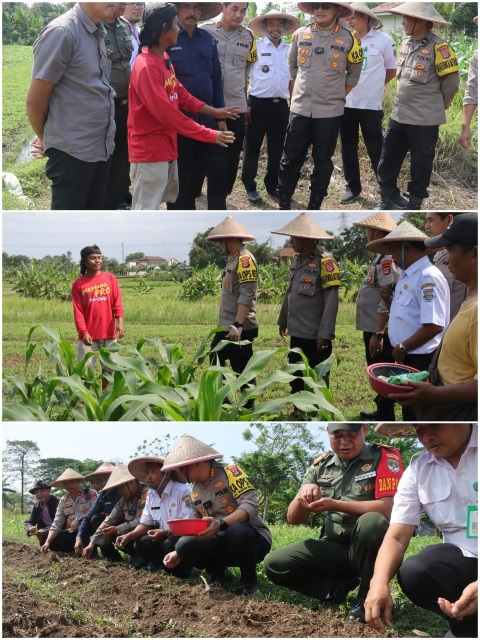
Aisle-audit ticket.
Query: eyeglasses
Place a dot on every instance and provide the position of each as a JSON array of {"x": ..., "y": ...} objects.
[
  {"x": 136, "y": 4},
  {"x": 322, "y": 5},
  {"x": 345, "y": 435}
]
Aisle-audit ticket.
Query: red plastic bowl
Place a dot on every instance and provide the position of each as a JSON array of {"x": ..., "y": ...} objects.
[
  {"x": 187, "y": 526},
  {"x": 388, "y": 369}
]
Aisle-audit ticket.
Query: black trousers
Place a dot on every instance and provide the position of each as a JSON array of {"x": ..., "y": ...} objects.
[
  {"x": 385, "y": 407},
  {"x": 314, "y": 357},
  {"x": 77, "y": 185},
  {"x": 155, "y": 551},
  {"x": 65, "y": 541},
  {"x": 440, "y": 571},
  {"x": 420, "y": 361},
  {"x": 239, "y": 546},
  {"x": 238, "y": 356},
  {"x": 270, "y": 119},
  {"x": 370, "y": 122},
  {"x": 302, "y": 132},
  {"x": 95, "y": 521},
  {"x": 195, "y": 161},
  {"x": 119, "y": 180},
  {"x": 421, "y": 141}
]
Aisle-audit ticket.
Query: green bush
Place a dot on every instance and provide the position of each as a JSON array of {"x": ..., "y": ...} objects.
[
  {"x": 272, "y": 281},
  {"x": 47, "y": 283},
  {"x": 202, "y": 283}
]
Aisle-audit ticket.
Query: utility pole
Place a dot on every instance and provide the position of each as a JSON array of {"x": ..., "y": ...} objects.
[{"x": 343, "y": 221}]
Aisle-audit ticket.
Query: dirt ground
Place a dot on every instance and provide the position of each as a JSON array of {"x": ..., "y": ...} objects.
[{"x": 99, "y": 600}]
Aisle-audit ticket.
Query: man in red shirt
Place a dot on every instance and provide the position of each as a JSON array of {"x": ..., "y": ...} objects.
[
  {"x": 155, "y": 119},
  {"x": 97, "y": 304}
]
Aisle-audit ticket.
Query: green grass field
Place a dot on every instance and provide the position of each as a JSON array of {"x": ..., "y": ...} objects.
[
  {"x": 161, "y": 314},
  {"x": 406, "y": 616}
]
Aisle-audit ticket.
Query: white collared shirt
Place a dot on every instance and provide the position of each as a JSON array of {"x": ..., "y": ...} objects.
[
  {"x": 432, "y": 485},
  {"x": 274, "y": 82},
  {"x": 421, "y": 297},
  {"x": 173, "y": 503},
  {"x": 378, "y": 56}
]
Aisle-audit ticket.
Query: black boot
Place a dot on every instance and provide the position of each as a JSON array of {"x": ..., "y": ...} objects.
[
  {"x": 414, "y": 203},
  {"x": 358, "y": 611},
  {"x": 398, "y": 201},
  {"x": 386, "y": 203},
  {"x": 315, "y": 201},
  {"x": 284, "y": 201}
]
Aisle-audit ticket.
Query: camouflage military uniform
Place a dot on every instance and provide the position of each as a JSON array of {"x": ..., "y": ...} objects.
[
  {"x": 240, "y": 545},
  {"x": 348, "y": 544}
]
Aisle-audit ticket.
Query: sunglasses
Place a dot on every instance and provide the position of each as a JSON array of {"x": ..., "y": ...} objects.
[{"x": 322, "y": 5}]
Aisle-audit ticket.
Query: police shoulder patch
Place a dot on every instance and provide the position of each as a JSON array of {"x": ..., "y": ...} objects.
[
  {"x": 246, "y": 269},
  {"x": 238, "y": 480},
  {"x": 329, "y": 272},
  {"x": 445, "y": 59}
]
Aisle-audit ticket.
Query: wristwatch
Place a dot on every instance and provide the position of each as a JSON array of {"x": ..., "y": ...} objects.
[
  {"x": 238, "y": 324},
  {"x": 223, "y": 524},
  {"x": 402, "y": 348},
  {"x": 379, "y": 335}
]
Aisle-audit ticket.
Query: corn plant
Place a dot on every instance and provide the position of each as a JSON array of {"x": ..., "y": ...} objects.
[
  {"x": 353, "y": 274},
  {"x": 48, "y": 283},
  {"x": 163, "y": 388},
  {"x": 202, "y": 283}
]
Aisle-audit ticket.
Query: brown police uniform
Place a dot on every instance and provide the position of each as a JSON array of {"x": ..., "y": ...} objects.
[
  {"x": 348, "y": 544},
  {"x": 240, "y": 545},
  {"x": 125, "y": 515},
  {"x": 70, "y": 510}
]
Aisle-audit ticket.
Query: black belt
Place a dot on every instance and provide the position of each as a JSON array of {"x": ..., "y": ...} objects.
[
  {"x": 121, "y": 101},
  {"x": 274, "y": 100}
]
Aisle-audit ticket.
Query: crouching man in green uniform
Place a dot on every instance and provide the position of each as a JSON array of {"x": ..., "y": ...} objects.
[{"x": 354, "y": 485}]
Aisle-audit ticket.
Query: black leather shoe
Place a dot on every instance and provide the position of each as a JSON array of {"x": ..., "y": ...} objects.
[
  {"x": 249, "y": 590},
  {"x": 222, "y": 578},
  {"x": 358, "y": 612},
  {"x": 315, "y": 202},
  {"x": 284, "y": 201},
  {"x": 340, "y": 590},
  {"x": 414, "y": 203},
  {"x": 398, "y": 201},
  {"x": 348, "y": 196},
  {"x": 370, "y": 416},
  {"x": 137, "y": 562},
  {"x": 254, "y": 196}
]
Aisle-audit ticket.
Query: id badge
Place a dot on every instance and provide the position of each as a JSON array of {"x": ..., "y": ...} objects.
[{"x": 472, "y": 521}]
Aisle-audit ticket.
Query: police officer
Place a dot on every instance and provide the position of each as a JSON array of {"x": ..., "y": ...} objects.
[
  {"x": 197, "y": 67},
  {"x": 420, "y": 302},
  {"x": 270, "y": 89},
  {"x": 237, "y": 51},
  {"x": 238, "y": 299},
  {"x": 309, "y": 309},
  {"x": 325, "y": 60},
  {"x": 123, "y": 518},
  {"x": 119, "y": 45},
  {"x": 427, "y": 81},
  {"x": 363, "y": 108},
  {"x": 71, "y": 510},
  {"x": 43, "y": 511},
  {"x": 223, "y": 495},
  {"x": 382, "y": 271},
  {"x": 470, "y": 100},
  {"x": 353, "y": 484}
]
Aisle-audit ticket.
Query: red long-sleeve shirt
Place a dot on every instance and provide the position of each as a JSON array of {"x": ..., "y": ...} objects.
[
  {"x": 97, "y": 301},
  {"x": 154, "y": 117}
]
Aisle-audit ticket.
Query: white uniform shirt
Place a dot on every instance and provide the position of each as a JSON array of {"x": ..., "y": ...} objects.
[
  {"x": 378, "y": 56},
  {"x": 173, "y": 503},
  {"x": 274, "y": 82},
  {"x": 421, "y": 297},
  {"x": 432, "y": 485}
]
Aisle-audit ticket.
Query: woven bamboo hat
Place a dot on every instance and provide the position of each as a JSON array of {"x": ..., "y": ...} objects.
[
  {"x": 209, "y": 9},
  {"x": 405, "y": 232},
  {"x": 380, "y": 220},
  {"x": 68, "y": 474},
  {"x": 120, "y": 475},
  {"x": 136, "y": 466},
  {"x": 361, "y": 7},
  {"x": 257, "y": 24},
  {"x": 229, "y": 228},
  {"x": 303, "y": 226},
  {"x": 188, "y": 450},
  {"x": 105, "y": 468},
  {"x": 420, "y": 10},
  {"x": 345, "y": 10},
  {"x": 396, "y": 430}
]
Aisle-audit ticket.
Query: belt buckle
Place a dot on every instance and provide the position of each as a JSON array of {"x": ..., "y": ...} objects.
[
  {"x": 124, "y": 102},
  {"x": 275, "y": 100}
]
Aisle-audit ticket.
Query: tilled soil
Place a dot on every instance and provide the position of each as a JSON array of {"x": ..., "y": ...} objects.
[{"x": 92, "y": 599}]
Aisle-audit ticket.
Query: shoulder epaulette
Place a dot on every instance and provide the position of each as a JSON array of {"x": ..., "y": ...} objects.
[{"x": 321, "y": 457}]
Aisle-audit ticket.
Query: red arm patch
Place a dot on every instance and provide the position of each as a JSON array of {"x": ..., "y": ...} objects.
[{"x": 389, "y": 472}]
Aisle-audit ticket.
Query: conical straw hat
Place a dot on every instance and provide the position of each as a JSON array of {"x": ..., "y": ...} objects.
[
  {"x": 396, "y": 430},
  {"x": 303, "y": 226},
  {"x": 188, "y": 450},
  {"x": 291, "y": 25},
  {"x": 421, "y": 10},
  {"x": 209, "y": 9},
  {"x": 229, "y": 228},
  {"x": 361, "y": 7},
  {"x": 345, "y": 11},
  {"x": 120, "y": 475},
  {"x": 68, "y": 474},
  {"x": 103, "y": 469},
  {"x": 405, "y": 232},
  {"x": 380, "y": 220},
  {"x": 136, "y": 466}
]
